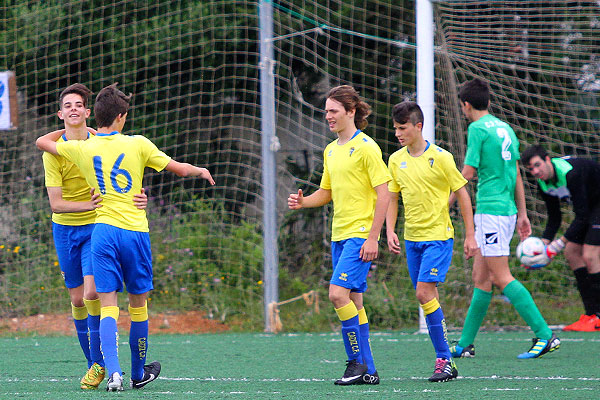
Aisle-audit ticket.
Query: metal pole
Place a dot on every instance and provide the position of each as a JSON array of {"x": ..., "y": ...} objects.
[
  {"x": 425, "y": 67},
  {"x": 425, "y": 83},
  {"x": 270, "y": 145}
]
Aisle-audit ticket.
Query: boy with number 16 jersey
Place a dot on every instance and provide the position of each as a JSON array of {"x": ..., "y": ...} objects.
[{"x": 113, "y": 164}]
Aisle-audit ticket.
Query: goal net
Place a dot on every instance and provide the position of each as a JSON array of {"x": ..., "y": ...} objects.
[{"x": 193, "y": 67}]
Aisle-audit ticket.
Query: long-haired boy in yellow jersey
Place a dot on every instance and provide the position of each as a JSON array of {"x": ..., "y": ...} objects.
[{"x": 355, "y": 178}]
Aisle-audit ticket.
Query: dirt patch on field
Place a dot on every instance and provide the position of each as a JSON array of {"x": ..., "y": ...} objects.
[{"x": 62, "y": 324}]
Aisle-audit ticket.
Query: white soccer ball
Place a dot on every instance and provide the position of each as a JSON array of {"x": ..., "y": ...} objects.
[{"x": 532, "y": 253}]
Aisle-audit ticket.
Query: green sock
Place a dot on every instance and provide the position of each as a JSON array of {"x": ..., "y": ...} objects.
[
  {"x": 477, "y": 310},
  {"x": 520, "y": 298}
]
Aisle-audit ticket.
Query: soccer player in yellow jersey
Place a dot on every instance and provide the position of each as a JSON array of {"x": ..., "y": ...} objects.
[
  {"x": 113, "y": 164},
  {"x": 72, "y": 224},
  {"x": 425, "y": 174},
  {"x": 355, "y": 178}
]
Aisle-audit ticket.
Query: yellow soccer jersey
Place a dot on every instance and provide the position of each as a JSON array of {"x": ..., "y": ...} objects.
[
  {"x": 425, "y": 183},
  {"x": 351, "y": 171},
  {"x": 61, "y": 173},
  {"x": 114, "y": 165}
]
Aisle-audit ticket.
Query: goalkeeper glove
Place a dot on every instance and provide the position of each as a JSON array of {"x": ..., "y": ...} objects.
[{"x": 554, "y": 248}]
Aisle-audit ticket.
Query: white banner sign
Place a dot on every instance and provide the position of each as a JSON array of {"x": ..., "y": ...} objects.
[{"x": 5, "y": 121}]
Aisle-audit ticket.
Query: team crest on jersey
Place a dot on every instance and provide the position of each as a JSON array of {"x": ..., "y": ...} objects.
[
  {"x": 430, "y": 162},
  {"x": 351, "y": 151},
  {"x": 491, "y": 238},
  {"x": 329, "y": 154}
]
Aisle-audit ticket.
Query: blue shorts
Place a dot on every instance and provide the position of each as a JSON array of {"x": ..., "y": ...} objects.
[
  {"x": 121, "y": 255},
  {"x": 428, "y": 261},
  {"x": 349, "y": 270},
  {"x": 73, "y": 245}
]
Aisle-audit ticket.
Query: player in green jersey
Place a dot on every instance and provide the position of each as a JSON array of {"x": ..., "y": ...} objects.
[{"x": 492, "y": 155}]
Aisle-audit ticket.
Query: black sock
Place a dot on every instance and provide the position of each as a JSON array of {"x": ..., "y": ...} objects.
[
  {"x": 584, "y": 285},
  {"x": 594, "y": 280}
]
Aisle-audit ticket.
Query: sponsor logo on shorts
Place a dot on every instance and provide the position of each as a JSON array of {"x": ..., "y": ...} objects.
[
  {"x": 434, "y": 272},
  {"x": 343, "y": 276},
  {"x": 491, "y": 238}
]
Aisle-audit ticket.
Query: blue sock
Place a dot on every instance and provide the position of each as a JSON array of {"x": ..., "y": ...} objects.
[
  {"x": 80, "y": 321},
  {"x": 138, "y": 340},
  {"x": 109, "y": 336},
  {"x": 81, "y": 326},
  {"x": 95, "y": 352},
  {"x": 350, "y": 330},
  {"x": 138, "y": 343},
  {"x": 93, "y": 309},
  {"x": 365, "y": 344},
  {"x": 437, "y": 328}
]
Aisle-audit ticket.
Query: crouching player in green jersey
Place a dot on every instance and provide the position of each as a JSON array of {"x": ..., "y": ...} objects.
[
  {"x": 355, "y": 178},
  {"x": 425, "y": 174},
  {"x": 113, "y": 164}
]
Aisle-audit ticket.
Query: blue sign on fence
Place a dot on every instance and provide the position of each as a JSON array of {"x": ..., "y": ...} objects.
[{"x": 5, "y": 120}]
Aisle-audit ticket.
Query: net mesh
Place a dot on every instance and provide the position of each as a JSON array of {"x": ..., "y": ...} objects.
[
  {"x": 193, "y": 68},
  {"x": 541, "y": 62}
]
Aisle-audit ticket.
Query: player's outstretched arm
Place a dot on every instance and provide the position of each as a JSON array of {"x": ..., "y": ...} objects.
[
  {"x": 319, "y": 198},
  {"x": 466, "y": 209},
  {"x": 390, "y": 224},
  {"x": 61, "y": 206},
  {"x": 48, "y": 141},
  {"x": 188, "y": 170}
]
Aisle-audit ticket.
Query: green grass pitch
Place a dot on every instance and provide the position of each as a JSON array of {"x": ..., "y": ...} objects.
[{"x": 304, "y": 366}]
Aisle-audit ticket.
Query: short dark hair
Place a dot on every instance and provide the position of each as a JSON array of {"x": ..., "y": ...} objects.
[
  {"x": 407, "y": 111},
  {"x": 349, "y": 98},
  {"x": 532, "y": 151},
  {"x": 475, "y": 92},
  {"x": 76, "y": 88},
  {"x": 110, "y": 102}
]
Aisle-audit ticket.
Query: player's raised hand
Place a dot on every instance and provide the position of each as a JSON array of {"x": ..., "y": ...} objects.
[
  {"x": 140, "y": 200},
  {"x": 96, "y": 199},
  {"x": 393, "y": 242},
  {"x": 295, "y": 201}
]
